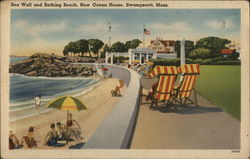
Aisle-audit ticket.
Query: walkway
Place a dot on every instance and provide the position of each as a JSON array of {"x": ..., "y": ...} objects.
[{"x": 205, "y": 127}]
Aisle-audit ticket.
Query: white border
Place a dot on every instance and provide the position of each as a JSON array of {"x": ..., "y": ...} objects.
[{"x": 244, "y": 151}]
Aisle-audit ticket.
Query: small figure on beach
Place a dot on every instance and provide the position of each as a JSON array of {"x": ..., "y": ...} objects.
[
  {"x": 13, "y": 141},
  {"x": 73, "y": 127},
  {"x": 61, "y": 131},
  {"x": 29, "y": 139},
  {"x": 117, "y": 91},
  {"x": 51, "y": 137},
  {"x": 38, "y": 103},
  {"x": 151, "y": 91}
]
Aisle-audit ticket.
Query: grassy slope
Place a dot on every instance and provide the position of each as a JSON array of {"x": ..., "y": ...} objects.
[{"x": 221, "y": 85}]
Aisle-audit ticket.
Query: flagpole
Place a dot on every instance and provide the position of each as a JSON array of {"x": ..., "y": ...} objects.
[{"x": 143, "y": 36}]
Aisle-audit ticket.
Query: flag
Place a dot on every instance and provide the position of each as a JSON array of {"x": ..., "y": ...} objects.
[{"x": 146, "y": 32}]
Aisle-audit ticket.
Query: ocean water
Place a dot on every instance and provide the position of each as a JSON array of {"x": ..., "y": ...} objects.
[
  {"x": 24, "y": 89},
  {"x": 15, "y": 59}
]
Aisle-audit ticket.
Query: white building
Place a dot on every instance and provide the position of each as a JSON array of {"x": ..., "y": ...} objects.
[
  {"x": 141, "y": 54},
  {"x": 163, "y": 46}
]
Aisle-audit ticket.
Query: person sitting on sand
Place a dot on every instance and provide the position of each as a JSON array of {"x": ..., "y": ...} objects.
[
  {"x": 61, "y": 132},
  {"x": 13, "y": 141},
  {"x": 73, "y": 127},
  {"x": 51, "y": 137},
  {"x": 29, "y": 139}
]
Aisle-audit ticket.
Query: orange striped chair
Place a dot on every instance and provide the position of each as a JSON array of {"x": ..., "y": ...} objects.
[
  {"x": 166, "y": 79},
  {"x": 182, "y": 93}
]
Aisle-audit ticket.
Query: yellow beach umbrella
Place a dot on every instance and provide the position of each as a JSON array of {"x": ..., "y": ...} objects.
[{"x": 67, "y": 103}]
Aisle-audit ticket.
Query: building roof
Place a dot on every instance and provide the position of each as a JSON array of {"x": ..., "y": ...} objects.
[
  {"x": 166, "y": 42},
  {"x": 227, "y": 51}
]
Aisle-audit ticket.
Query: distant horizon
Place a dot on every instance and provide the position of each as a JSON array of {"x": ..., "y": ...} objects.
[{"x": 49, "y": 31}]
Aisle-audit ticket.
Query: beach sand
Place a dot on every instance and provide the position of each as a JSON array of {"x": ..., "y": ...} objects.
[{"x": 99, "y": 102}]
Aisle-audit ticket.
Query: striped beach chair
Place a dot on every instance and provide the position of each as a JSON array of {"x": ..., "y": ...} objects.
[
  {"x": 166, "y": 79},
  {"x": 182, "y": 93}
]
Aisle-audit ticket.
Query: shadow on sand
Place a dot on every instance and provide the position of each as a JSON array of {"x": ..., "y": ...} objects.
[
  {"x": 179, "y": 109},
  {"x": 77, "y": 146}
]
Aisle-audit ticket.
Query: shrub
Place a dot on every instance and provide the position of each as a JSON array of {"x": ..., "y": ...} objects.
[
  {"x": 207, "y": 61},
  {"x": 198, "y": 61},
  {"x": 200, "y": 53},
  {"x": 189, "y": 61},
  {"x": 228, "y": 63},
  {"x": 219, "y": 58},
  {"x": 166, "y": 62},
  {"x": 120, "y": 58}
]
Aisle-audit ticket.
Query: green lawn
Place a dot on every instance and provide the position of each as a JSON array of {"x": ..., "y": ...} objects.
[{"x": 221, "y": 85}]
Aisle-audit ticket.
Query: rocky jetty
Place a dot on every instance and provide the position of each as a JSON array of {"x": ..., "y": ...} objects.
[{"x": 52, "y": 66}]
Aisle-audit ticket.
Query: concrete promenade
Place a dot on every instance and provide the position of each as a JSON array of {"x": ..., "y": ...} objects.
[{"x": 204, "y": 127}]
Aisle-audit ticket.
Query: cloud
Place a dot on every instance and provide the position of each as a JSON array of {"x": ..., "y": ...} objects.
[
  {"x": 216, "y": 24},
  {"x": 175, "y": 26},
  {"x": 36, "y": 30}
]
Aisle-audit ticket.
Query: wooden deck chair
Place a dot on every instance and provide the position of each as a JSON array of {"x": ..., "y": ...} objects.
[
  {"x": 117, "y": 91},
  {"x": 166, "y": 79},
  {"x": 182, "y": 93}
]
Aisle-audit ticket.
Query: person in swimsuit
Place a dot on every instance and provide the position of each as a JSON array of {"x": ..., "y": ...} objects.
[
  {"x": 74, "y": 128},
  {"x": 29, "y": 139},
  {"x": 13, "y": 141},
  {"x": 61, "y": 132},
  {"x": 51, "y": 137}
]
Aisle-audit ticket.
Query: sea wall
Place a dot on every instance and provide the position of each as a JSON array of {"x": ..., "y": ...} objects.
[{"x": 116, "y": 131}]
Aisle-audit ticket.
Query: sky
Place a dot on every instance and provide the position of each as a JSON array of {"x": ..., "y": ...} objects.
[{"x": 49, "y": 30}]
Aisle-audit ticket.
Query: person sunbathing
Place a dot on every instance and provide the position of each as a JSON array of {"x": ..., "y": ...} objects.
[
  {"x": 29, "y": 139},
  {"x": 51, "y": 137},
  {"x": 74, "y": 128}
]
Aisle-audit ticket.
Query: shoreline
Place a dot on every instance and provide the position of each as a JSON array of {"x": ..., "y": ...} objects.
[
  {"x": 30, "y": 107},
  {"x": 88, "y": 119},
  {"x": 43, "y": 109}
]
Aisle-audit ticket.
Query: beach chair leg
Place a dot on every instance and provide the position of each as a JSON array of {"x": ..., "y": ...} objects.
[
  {"x": 192, "y": 102},
  {"x": 195, "y": 98},
  {"x": 152, "y": 103},
  {"x": 181, "y": 101}
]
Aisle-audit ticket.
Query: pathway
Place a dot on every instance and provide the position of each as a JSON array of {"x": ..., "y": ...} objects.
[{"x": 204, "y": 127}]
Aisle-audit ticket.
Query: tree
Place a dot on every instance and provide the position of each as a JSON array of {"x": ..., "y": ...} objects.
[
  {"x": 234, "y": 56},
  {"x": 132, "y": 44},
  {"x": 200, "y": 53},
  {"x": 189, "y": 46},
  {"x": 118, "y": 47},
  {"x": 105, "y": 49},
  {"x": 66, "y": 50},
  {"x": 95, "y": 45},
  {"x": 215, "y": 44},
  {"x": 82, "y": 46},
  {"x": 70, "y": 48}
]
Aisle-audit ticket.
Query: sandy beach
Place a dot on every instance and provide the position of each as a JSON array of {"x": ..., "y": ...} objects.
[{"x": 99, "y": 102}]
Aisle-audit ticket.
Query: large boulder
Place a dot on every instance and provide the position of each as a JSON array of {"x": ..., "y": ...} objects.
[
  {"x": 32, "y": 73},
  {"x": 41, "y": 64}
]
